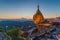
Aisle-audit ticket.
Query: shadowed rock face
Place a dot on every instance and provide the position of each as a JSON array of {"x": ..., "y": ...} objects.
[{"x": 38, "y": 17}]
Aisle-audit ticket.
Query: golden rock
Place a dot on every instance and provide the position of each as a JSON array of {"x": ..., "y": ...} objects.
[{"x": 38, "y": 17}]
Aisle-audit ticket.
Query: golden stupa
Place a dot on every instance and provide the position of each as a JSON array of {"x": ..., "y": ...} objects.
[{"x": 38, "y": 17}]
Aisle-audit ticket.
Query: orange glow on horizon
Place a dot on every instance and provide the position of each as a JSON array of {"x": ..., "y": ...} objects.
[
  {"x": 16, "y": 18},
  {"x": 27, "y": 17},
  {"x": 51, "y": 16}
]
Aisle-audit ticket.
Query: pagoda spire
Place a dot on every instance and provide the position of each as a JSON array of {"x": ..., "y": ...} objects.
[
  {"x": 38, "y": 6},
  {"x": 38, "y": 17}
]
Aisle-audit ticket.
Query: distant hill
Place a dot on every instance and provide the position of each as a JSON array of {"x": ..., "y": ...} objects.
[{"x": 58, "y": 17}]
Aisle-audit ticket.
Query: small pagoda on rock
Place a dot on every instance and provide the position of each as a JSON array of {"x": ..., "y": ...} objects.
[{"x": 38, "y": 17}]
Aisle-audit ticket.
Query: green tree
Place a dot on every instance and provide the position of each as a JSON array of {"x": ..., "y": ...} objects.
[
  {"x": 13, "y": 33},
  {"x": 1, "y": 28}
]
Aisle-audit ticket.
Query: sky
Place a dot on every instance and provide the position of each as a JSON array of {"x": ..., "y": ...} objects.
[{"x": 15, "y": 9}]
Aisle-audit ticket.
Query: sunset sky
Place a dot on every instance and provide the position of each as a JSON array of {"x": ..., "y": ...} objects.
[{"x": 15, "y": 9}]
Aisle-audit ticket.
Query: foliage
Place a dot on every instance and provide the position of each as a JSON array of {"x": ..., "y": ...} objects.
[
  {"x": 14, "y": 33},
  {"x": 1, "y": 27}
]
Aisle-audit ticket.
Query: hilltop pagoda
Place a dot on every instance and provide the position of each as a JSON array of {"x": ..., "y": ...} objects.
[{"x": 38, "y": 19}]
